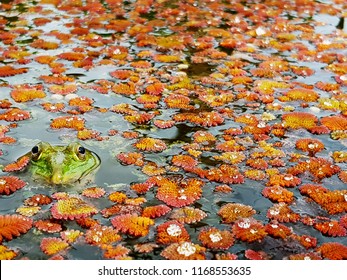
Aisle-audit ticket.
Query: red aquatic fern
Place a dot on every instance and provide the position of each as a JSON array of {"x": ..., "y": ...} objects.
[
  {"x": 38, "y": 200},
  {"x": 63, "y": 89},
  {"x": 94, "y": 192},
  {"x": 150, "y": 144},
  {"x": 155, "y": 211},
  {"x": 131, "y": 158},
  {"x": 72, "y": 208},
  {"x": 312, "y": 146},
  {"x": 278, "y": 230},
  {"x": 102, "y": 235},
  {"x": 249, "y": 230},
  {"x": 334, "y": 122},
  {"x": 10, "y": 184},
  {"x": 184, "y": 251},
  {"x": 282, "y": 213},
  {"x": 296, "y": 120},
  {"x": 185, "y": 161},
  {"x": 171, "y": 232},
  {"x": 6, "y": 253},
  {"x": 214, "y": 238},
  {"x": 53, "y": 245},
  {"x": 231, "y": 212},
  {"x": 256, "y": 255},
  {"x": 179, "y": 194},
  {"x": 331, "y": 228},
  {"x": 24, "y": 94},
  {"x": 13, "y": 226},
  {"x": 188, "y": 215},
  {"x": 18, "y": 165},
  {"x": 283, "y": 180},
  {"x": 74, "y": 122},
  {"x": 7, "y": 71},
  {"x": 15, "y": 114},
  {"x": 132, "y": 224},
  {"x": 278, "y": 194},
  {"x": 48, "y": 226},
  {"x": 333, "y": 251}
]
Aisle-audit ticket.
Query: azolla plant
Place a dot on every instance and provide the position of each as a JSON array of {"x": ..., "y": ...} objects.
[{"x": 221, "y": 129}]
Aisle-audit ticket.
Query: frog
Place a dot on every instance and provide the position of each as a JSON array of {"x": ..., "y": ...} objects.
[{"x": 62, "y": 164}]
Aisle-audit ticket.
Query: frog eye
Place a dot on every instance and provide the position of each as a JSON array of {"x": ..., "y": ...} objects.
[
  {"x": 81, "y": 152},
  {"x": 35, "y": 152}
]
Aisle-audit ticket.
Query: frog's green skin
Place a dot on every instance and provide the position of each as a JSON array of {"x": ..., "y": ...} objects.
[{"x": 62, "y": 165}]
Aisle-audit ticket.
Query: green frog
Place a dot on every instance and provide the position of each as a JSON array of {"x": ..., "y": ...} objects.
[{"x": 62, "y": 165}]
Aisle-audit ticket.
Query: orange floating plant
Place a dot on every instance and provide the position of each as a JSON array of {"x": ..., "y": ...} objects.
[
  {"x": 102, "y": 235},
  {"x": 13, "y": 226},
  {"x": 94, "y": 192},
  {"x": 283, "y": 180},
  {"x": 184, "y": 251},
  {"x": 333, "y": 251},
  {"x": 188, "y": 215},
  {"x": 155, "y": 211},
  {"x": 334, "y": 122},
  {"x": 312, "y": 146},
  {"x": 171, "y": 232},
  {"x": 150, "y": 145},
  {"x": 38, "y": 200},
  {"x": 296, "y": 120},
  {"x": 231, "y": 212},
  {"x": 15, "y": 114},
  {"x": 24, "y": 94},
  {"x": 47, "y": 226},
  {"x": 278, "y": 194},
  {"x": 6, "y": 253},
  {"x": 18, "y": 165},
  {"x": 249, "y": 230},
  {"x": 185, "y": 161},
  {"x": 73, "y": 122},
  {"x": 10, "y": 184},
  {"x": 72, "y": 208},
  {"x": 256, "y": 255},
  {"x": 179, "y": 194},
  {"x": 132, "y": 224},
  {"x": 214, "y": 238},
  {"x": 282, "y": 213},
  {"x": 278, "y": 230},
  {"x": 53, "y": 245},
  {"x": 131, "y": 158},
  {"x": 331, "y": 228},
  {"x": 7, "y": 71},
  {"x": 64, "y": 89}
]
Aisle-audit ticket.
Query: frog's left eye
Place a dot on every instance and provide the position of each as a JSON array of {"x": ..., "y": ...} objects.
[
  {"x": 81, "y": 152},
  {"x": 35, "y": 152}
]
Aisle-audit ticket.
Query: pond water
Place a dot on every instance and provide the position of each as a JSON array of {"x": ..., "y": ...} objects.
[{"x": 221, "y": 128}]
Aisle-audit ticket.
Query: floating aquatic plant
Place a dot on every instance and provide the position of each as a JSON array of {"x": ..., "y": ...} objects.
[
  {"x": 184, "y": 251},
  {"x": 12, "y": 226},
  {"x": 132, "y": 224},
  {"x": 72, "y": 208},
  {"x": 216, "y": 239},
  {"x": 53, "y": 245},
  {"x": 231, "y": 212},
  {"x": 10, "y": 184}
]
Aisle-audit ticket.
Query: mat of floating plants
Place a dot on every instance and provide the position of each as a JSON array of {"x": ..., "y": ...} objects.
[{"x": 221, "y": 127}]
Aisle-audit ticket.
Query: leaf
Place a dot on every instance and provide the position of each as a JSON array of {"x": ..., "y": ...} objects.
[
  {"x": 13, "y": 226},
  {"x": 132, "y": 224}
]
